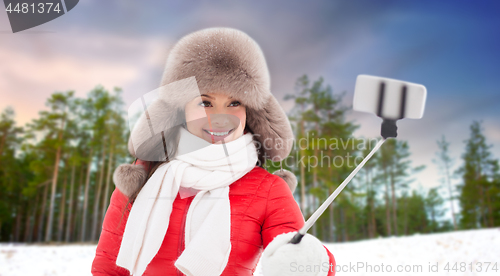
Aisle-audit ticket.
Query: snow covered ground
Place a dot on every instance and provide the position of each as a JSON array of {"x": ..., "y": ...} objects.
[
  {"x": 417, "y": 255},
  {"x": 431, "y": 252}
]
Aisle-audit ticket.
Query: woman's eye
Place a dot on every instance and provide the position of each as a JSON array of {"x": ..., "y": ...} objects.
[
  {"x": 205, "y": 103},
  {"x": 235, "y": 103}
]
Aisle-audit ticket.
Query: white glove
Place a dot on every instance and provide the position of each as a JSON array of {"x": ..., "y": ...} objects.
[{"x": 307, "y": 258}]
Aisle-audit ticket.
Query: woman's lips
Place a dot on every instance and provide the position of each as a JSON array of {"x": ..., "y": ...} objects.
[{"x": 214, "y": 137}]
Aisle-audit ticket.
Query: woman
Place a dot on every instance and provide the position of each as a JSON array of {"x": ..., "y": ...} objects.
[{"x": 207, "y": 206}]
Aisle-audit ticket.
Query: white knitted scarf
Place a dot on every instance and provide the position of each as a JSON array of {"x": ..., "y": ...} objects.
[{"x": 207, "y": 168}]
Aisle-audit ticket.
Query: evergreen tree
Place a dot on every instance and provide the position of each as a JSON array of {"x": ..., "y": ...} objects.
[
  {"x": 433, "y": 204},
  {"x": 11, "y": 182},
  {"x": 445, "y": 163},
  {"x": 52, "y": 125},
  {"x": 479, "y": 191}
]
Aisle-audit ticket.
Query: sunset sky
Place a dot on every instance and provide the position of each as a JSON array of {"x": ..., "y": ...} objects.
[{"x": 451, "y": 47}]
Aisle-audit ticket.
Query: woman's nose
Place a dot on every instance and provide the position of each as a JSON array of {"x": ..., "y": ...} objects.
[{"x": 219, "y": 120}]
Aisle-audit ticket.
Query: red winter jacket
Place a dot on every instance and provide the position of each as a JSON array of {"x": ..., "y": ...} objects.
[{"x": 262, "y": 207}]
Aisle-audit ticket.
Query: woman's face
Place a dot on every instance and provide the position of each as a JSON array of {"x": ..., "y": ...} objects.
[{"x": 215, "y": 117}]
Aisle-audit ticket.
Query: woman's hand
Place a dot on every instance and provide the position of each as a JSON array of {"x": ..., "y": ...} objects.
[{"x": 307, "y": 258}]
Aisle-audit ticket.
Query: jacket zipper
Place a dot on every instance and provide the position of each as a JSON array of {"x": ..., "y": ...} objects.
[{"x": 182, "y": 234}]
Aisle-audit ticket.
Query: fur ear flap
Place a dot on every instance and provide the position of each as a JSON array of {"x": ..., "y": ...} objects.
[
  {"x": 128, "y": 178},
  {"x": 289, "y": 178}
]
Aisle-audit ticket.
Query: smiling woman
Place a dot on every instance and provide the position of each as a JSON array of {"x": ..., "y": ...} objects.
[
  {"x": 215, "y": 118},
  {"x": 212, "y": 209}
]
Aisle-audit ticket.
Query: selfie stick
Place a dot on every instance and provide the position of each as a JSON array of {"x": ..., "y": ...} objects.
[
  {"x": 296, "y": 239},
  {"x": 364, "y": 98}
]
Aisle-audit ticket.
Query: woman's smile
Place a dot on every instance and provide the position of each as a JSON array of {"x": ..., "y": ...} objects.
[
  {"x": 218, "y": 132},
  {"x": 216, "y": 135}
]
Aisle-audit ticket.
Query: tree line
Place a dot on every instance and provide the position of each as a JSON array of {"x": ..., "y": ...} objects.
[{"x": 56, "y": 172}]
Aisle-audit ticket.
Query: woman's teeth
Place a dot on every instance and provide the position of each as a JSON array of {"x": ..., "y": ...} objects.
[{"x": 218, "y": 133}]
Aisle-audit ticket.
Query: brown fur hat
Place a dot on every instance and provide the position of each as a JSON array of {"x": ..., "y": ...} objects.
[
  {"x": 228, "y": 61},
  {"x": 216, "y": 60}
]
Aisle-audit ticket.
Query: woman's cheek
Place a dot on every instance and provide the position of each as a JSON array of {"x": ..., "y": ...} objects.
[
  {"x": 196, "y": 118},
  {"x": 241, "y": 114}
]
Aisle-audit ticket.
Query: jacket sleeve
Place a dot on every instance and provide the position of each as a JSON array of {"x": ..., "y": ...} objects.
[
  {"x": 283, "y": 215},
  {"x": 111, "y": 236}
]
